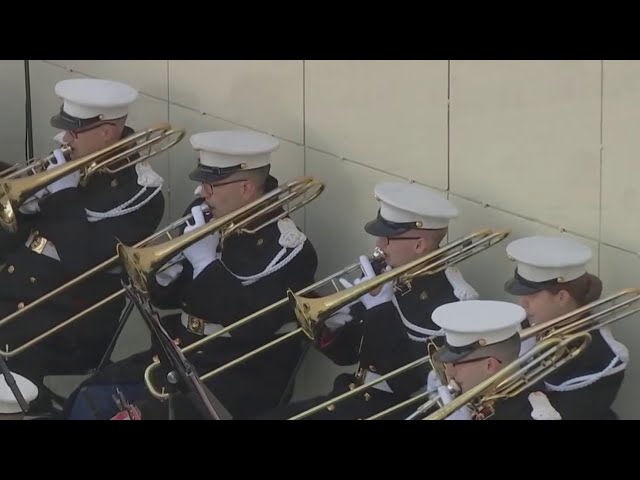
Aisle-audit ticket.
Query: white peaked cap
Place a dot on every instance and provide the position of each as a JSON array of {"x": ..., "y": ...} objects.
[
  {"x": 542, "y": 261},
  {"x": 223, "y": 152},
  {"x": 90, "y": 100},
  {"x": 475, "y": 324},
  {"x": 405, "y": 206}
]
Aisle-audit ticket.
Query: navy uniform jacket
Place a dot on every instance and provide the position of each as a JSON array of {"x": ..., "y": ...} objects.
[
  {"x": 532, "y": 404},
  {"x": 218, "y": 298},
  {"x": 590, "y": 401},
  {"x": 74, "y": 245},
  {"x": 381, "y": 340}
]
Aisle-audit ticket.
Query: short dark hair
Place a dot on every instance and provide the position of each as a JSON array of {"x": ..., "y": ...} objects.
[
  {"x": 506, "y": 351},
  {"x": 259, "y": 175}
]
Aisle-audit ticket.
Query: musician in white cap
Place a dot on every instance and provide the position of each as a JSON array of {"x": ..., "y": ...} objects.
[
  {"x": 551, "y": 279},
  {"x": 387, "y": 329},
  {"x": 481, "y": 338},
  {"x": 70, "y": 227},
  {"x": 217, "y": 285}
]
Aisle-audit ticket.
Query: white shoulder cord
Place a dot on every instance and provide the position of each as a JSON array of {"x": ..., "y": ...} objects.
[
  {"x": 290, "y": 237},
  {"x": 146, "y": 178},
  {"x": 461, "y": 289},
  {"x": 121, "y": 210},
  {"x": 621, "y": 355},
  {"x": 410, "y": 326}
]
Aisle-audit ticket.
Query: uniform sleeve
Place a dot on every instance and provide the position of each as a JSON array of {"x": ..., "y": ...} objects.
[
  {"x": 219, "y": 297},
  {"x": 385, "y": 334},
  {"x": 593, "y": 402},
  {"x": 11, "y": 241},
  {"x": 170, "y": 295},
  {"x": 342, "y": 345},
  {"x": 81, "y": 244}
]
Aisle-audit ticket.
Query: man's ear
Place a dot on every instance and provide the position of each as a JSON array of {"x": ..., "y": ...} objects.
[
  {"x": 422, "y": 245},
  {"x": 493, "y": 365},
  {"x": 109, "y": 131},
  {"x": 248, "y": 188},
  {"x": 563, "y": 297}
]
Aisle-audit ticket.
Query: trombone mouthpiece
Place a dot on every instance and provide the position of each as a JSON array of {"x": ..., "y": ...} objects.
[{"x": 378, "y": 261}]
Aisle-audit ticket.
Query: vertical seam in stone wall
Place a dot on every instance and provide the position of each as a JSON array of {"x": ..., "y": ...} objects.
[
  {"x": 601, "y": 156},
  {"x": 304, "y": 132},
  {"x": 169, "y": 192},
  {"x": 28, "y": 139},
  {"x": 448, "y": 125}
]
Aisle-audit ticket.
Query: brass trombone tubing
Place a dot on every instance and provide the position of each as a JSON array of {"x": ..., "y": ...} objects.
[
  {"x": 75, "y": 281},
  {"x": 13, "y": 352},
  {"x": 572, "y": 321},
  {"x": 269, "y": 308},
  {"x": 104, "y": 265},
  {"x": 310, "y": 331},
  {"x": 400, "y": 405},
  {"x": 359, "y": 389},
  {"x": 584, "y": 325},
  {"x": 163, "y": 396},
  {"x": 141, "y": 264},
  {"x": 16, "y": 170},
  {"x": 249, "y": 318},
  {"x": 504, "y": 383},
  {"x": 311, "y": 313},
  {"x": 393, "y": 373},
  {"x": 14, "y": 192},
  {"x": 550, "y": 330}
]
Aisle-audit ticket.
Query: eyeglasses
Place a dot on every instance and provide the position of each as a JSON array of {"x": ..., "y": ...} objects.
[
  {"x": 208, "y": 187},
  {"x": 74, "y": 133},
  {"x": 386, "y": 240},
  {"x": 471, "y": 360}
]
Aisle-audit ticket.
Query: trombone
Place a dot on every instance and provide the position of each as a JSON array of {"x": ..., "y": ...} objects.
[
  {"x": 576, "y": 321},
  {"x": 516, "y": 377},
  {"x": 103, "y": 266},
  {"x": 15, "y": 190},
  {"x": 571, "y": 323},
  {"x": 377, "y": 260},
  {"x": 142, "y": 263},
  {"x": 311, "y": 319},
  {"x": 312, "y": 313},
  {"x": 34, "y": 165}
]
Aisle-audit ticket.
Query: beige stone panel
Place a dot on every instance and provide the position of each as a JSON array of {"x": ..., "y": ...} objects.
[
  {"x": 263, "y": 95},
  {"x": 389, "y": 115},
  {"x": 525, "y": 137}
]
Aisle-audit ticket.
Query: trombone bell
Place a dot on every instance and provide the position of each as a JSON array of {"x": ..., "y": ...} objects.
[
  {"x": 308, "y": 312},
  {"x": 15, "y": 191},
  {"x": 142, "y": 263},
  {"x": 311, "y": 313}
]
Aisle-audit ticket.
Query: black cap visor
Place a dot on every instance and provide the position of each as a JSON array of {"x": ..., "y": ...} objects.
[
  {"x": 384, "y": 228},
  {"x": 520, "y": 286},
  {"x": 450, "y": 354},
  {"x": 204, "y": 174},
  {"x": 64, "y": 121}
]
